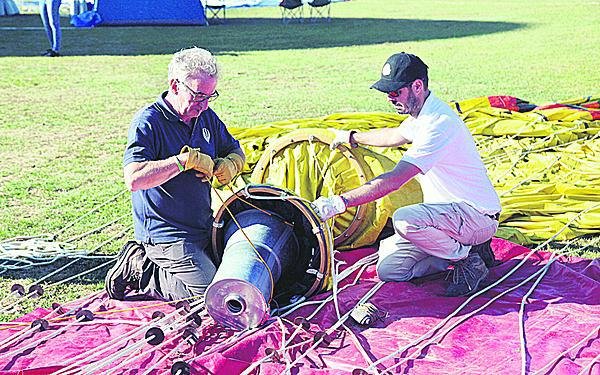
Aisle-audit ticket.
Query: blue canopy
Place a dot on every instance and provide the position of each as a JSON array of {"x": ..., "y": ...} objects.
[{"x": 150, "y": 12}]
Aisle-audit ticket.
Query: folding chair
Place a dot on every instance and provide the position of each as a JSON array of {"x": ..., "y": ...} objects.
[
  {"x": 215, "y": 7},
  {"x": 321, "y": 9},
  {"x": 291, "y": 10}
]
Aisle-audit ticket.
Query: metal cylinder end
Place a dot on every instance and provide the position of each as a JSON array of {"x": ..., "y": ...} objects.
[{"x": 235, "y": 304}]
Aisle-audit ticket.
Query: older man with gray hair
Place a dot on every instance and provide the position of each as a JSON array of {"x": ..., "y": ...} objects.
[{"x": 175, "y": 147}]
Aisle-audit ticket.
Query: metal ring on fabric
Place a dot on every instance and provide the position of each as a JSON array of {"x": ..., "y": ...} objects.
[
  {"x": 290, "y": 239},
  {"x": 301, "y": 161}
]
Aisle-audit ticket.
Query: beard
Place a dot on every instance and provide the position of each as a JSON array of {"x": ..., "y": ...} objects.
[{"x": 408, "y": 108}]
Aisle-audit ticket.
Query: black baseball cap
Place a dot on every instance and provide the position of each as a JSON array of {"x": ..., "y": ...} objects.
[{"x": 400, "y": 70}]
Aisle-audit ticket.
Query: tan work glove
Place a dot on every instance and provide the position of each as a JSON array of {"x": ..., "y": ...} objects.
[
  {"x": 198, "y": 161},
  {"x": 228, "y": 167},
  {"x": 342, "y": 137}
]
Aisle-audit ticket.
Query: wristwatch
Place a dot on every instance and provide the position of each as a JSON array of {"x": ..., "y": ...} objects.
[{"x": 351, "y": 137}]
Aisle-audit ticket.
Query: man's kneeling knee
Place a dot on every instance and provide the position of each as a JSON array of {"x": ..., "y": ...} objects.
[{"x": 393, "y": 273}]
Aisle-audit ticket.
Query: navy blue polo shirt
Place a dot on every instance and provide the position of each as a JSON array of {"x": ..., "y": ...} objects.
[{"x": 181, "y": 207}]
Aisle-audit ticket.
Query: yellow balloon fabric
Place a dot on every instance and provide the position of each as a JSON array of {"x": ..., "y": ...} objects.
[{"x": 544, "y": 164}]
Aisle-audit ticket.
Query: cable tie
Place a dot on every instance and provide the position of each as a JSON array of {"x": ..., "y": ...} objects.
[{"x": 313, "y": 271}]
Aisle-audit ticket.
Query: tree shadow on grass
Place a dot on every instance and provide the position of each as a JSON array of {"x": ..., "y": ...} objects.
[{"x": 25, "y": 37}]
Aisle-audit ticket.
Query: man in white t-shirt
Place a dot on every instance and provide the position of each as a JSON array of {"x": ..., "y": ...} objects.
[{"x": 459, "y": 214}]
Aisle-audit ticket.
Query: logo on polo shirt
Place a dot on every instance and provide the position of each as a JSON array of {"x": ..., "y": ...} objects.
[{"x": 206, "y": 135}]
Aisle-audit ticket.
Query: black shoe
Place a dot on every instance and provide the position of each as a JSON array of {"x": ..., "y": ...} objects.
[
  {"x": 484, "y": 250},
  {"x": 466, "y": 275},
  {"x": 127, "y": 272},
  {"x": 51, "y": 53}
]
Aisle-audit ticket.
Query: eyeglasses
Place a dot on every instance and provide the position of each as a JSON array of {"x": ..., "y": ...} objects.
[{"x": 200, "y": 96}]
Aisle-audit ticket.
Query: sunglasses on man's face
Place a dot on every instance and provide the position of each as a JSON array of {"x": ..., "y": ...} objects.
[
  {"x": 396, "y": 93},
  {"x": 199, "y": 96}
]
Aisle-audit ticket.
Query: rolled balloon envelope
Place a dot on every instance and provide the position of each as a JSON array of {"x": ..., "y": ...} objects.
[
  {"x": 302, "y": 162},
  {"x": 271, "y": 250}
]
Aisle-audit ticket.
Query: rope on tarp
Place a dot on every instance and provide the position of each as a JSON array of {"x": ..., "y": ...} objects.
[
  {"x": 285, "y": 347},
  {"x": 547, "y": 367},
  {"x": 175, "y": 320},
  {"x": 317, "y": 340},
  {"x": 432, "y": 332},
  {"x": 589, "y": 366},
  {"x": 327, "y": 331},
  {"x": 551, "y": 259}
]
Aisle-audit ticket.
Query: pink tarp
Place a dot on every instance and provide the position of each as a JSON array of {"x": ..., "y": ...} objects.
[{"x": 561, "y": 329}]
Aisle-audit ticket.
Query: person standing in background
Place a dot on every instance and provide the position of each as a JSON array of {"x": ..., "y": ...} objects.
[{"x": 51, "y": 20}]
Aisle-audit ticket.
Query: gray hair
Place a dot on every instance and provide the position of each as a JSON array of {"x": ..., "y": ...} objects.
[{"x": 192, "y": 62}]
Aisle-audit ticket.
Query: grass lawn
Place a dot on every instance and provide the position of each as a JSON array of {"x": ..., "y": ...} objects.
[{"x": 63, "y": 121}]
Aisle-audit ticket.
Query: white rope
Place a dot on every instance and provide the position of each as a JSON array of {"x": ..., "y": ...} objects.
[
  {"x": 112, "y": 238},
  {"x": 46, "y": 317},
  {"x": 533, "y": 176},
  {"x": 167, "y": 327},
  {"x": 113, "y": 344},
  {"x": 532, "y": 147},
  {"x": 83, "y": 273},
  {"x": 163, "y": 358},
  {"x": 40, "y": 250},
  {"x": 170, "y": 352},
  {"x": 523, "y": 302},
  {"x": 334, "y": 273},
  {"x": 234, "y": 339},
  {"x": 341, "y": 321},
  {"x": 321, "y": 304},
  {"x": 451, "y": 327},
  {"x": 590, "y": 365},
  {"x": 531, "y": 150},
  {"x": 464, "y": 304},
  {"x": 522, "y": 341},
  {"x": 509, "y": 139},
  {"x": 595, "y": 331},
  {"x": 359, "y": 346},
  {"x": 94, "y": 209},
  {"x": 154, "y": 348},
  {"x": 42, "y": 340},
  {"x": 5, "y": 308},
  {"x": 97, "y": 229},
  {"x": 282, "y": 347},
  {"x": 11, "y": 339}
]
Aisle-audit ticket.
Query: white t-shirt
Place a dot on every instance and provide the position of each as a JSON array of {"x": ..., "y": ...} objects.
[{"x": 445, "y": 152}]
